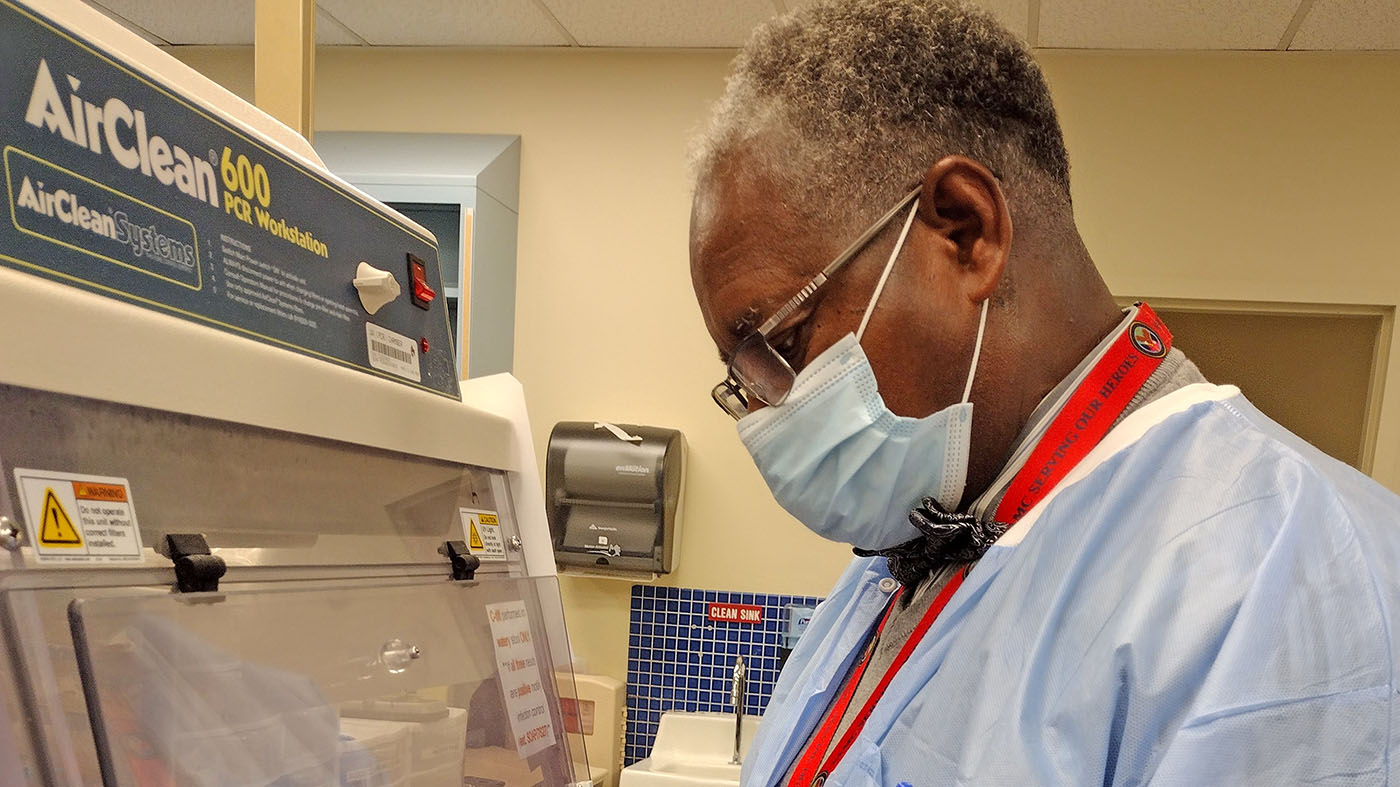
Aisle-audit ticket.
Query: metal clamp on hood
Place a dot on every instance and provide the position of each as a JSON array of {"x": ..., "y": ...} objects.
[{"x": 196, "y": 570}]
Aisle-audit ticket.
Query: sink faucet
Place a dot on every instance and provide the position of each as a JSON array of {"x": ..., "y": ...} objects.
[{"x": 736, "y": 695}]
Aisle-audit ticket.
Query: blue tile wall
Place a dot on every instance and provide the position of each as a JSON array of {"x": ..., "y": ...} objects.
[{"x": 678, "y": 659}]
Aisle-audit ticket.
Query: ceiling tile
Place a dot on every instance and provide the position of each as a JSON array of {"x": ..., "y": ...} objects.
[
  {"x": 206, "y": 22},
  {"x": 661, "y": 23},
  {"x": 218, "y": 22},
  {"x": 1012, "y": 13},
  {"x": 127, "y": 23},
  {"x": 330, "y": 31},
  {"x": 1350, "y": 24},
  {"x": 447, "y": 22},
  {"x": 1164, "y": 24}
]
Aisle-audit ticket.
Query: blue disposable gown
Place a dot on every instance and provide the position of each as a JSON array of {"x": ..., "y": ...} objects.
[{"x": 1205, "y": 600}]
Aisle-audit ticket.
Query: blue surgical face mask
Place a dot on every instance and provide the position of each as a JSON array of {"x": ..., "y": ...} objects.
[{"x": 849, "y": 469}]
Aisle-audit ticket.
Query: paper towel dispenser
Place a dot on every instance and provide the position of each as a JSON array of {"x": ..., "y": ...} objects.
[{"x": 614, "y": 496}]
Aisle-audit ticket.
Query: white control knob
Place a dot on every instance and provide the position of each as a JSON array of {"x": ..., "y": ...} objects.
[{"x": 377, "y": 287}]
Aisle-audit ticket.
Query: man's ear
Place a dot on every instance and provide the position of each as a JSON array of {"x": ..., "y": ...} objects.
[{"x": 963, "y": 202}]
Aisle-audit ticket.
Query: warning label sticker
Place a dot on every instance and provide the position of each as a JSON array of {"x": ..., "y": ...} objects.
[
  {"x": 483, "y": 532},
  {"x": 78, "y": 518},
  {"x": 56, "y": 529}
]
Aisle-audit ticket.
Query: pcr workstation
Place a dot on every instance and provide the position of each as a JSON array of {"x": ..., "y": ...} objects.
[{"x": 253, "y": 529}]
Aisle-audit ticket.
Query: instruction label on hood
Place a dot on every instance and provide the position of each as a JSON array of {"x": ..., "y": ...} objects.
[{"x": 531, "y": 724}]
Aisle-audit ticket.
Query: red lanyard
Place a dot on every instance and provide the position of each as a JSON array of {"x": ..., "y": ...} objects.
[
  {"x": 1091, "y": 410},
  {"x": 1085, "y": 418},
  {"x": 810, "y": 769}
]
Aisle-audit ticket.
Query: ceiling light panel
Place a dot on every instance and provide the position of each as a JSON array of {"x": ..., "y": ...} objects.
[{"x": 1164, "y": 24}]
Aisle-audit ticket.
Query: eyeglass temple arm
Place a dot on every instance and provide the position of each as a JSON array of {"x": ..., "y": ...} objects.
[{"x": 836, "y": 264}]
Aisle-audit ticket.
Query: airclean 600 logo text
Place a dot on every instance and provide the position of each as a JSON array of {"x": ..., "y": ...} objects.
[
  {"x": 91, "y": 125},
  {"x": 114, "y": 128}
]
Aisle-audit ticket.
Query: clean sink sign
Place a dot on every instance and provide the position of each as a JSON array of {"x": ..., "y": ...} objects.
[{"x": 736, "y": 613}]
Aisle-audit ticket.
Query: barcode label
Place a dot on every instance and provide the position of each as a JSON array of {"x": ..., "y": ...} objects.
[{"x": 392, "y": 352}]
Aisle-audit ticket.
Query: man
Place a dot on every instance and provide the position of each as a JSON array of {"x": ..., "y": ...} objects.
[{"x": 1081, "y": 562}]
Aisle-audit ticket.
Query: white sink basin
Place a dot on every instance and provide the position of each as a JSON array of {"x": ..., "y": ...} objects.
[{"x": 692, "y": 750}]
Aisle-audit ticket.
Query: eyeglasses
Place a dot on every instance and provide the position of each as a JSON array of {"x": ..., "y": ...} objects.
[{"x": 756, "y": 369}]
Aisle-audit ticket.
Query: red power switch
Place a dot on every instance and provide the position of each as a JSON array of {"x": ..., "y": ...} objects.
[{"x": 423, "y": 295}]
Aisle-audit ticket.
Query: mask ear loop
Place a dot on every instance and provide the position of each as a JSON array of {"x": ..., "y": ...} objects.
[
  {"x": 885, "y": 275},
  {"x": 880, "y": 288},
  {"x": 976, "y": 351}
]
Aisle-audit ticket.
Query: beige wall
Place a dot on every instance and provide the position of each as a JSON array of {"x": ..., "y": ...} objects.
[{"x": 1271, "y": 177}]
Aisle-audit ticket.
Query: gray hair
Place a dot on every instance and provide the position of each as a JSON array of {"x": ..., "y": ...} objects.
[{"x": 846, "y": 104}]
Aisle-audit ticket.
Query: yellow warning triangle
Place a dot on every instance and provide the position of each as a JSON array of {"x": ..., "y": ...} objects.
[
  {"x": 56, "y": 528},
  {"x": 475, "y": 542}
]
